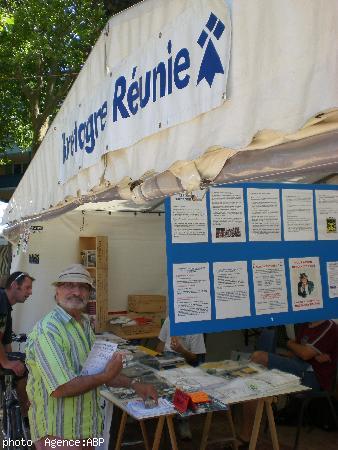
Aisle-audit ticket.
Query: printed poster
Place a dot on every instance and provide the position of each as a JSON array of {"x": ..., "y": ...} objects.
[
  {"x": 231, "y": 289},
  {"x": 227, "y": 215},
  {"x": 270, "y": 286},
  {"x": 306, "y": 285},
  {"x": 327, "y": 214},
  {"x": 332, "y": 276},
  {"x": 189, "y": 220},
  {"x": 298, "y": 215},
  {"x": 191, "y": 292},
  {"x": 264, "y": 214}
]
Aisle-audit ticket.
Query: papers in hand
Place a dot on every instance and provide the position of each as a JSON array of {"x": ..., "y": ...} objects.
[
  {"x": 138, "y": 410},
  {"x": 99, "y": 355}
]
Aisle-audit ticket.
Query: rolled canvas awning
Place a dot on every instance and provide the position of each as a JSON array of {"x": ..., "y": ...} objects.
[{"x": 276, "y": 119}]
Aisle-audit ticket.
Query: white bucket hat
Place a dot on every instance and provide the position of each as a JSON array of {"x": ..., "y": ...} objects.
[{"x": 75, "y": 273}]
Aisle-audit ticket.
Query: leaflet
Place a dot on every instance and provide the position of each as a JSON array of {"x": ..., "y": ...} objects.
[
  {"x": 264, "y": 214},
  {"x": 298, "y": 215},
  {"x": 99, "y": 355},
  {"x": 332, "y": 276},
  {"x": 231, "y": 289},
  {"x": 270, "y": 286},
  {"x": 306, "y": 285},
  {"x": 227, "y": 215},
  {"x": 327, "y": 214},
  {"x": 191, "y": 292},
  {"x": 189, "y": 219}
]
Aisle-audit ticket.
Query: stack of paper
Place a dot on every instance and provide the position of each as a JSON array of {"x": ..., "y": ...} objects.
[
  {"x": 190, "y": 379},
  {"x": 265, "y": 383},
  {"x": 137, "y": 409}
]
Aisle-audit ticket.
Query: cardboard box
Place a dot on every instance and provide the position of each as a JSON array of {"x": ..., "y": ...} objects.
[
  {"x": 135, "y": 331},
  {"x": 146, "y": 303}
]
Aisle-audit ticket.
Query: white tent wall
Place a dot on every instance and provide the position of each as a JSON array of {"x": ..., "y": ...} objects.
[{"x": 136, "y": 264}]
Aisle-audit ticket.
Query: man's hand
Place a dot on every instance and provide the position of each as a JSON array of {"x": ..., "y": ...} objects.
[
  {"x": 113, "y": 367},
  {"x": 177, "y": 346},
  {"x": 18, "y": 367},
  {"x": 323, "y": 358},
  {"x": 145, "y": 391}
]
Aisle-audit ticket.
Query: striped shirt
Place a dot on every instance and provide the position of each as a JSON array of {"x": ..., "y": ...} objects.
[{"x": 55, "y": 353}]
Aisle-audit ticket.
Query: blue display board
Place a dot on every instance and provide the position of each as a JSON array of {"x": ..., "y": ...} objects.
[{"x": 252, "y": 255}]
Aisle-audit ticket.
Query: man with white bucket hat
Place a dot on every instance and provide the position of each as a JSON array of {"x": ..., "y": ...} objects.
[{"x": 64, "y": 406}]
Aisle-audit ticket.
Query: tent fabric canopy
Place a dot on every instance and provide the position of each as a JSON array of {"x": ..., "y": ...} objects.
[{"x": 282, "y": 88}]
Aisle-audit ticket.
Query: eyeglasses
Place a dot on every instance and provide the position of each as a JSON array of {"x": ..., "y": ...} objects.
[{"x": 69, "y": 286}]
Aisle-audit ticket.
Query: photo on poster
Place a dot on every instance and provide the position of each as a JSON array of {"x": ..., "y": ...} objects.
[
  {"x": 231, "y": 289},
  {"x": 269, "y": 286},
  {"x": 306, "y": 285},
  {"x": 192, "y": 301},
  {"x": 227, "y": 215},
  {"x": 189, "y": 218},
  {"x": 327, "y": 214},
  {"x": 332, "y": 277},
  {"x": 298, "y": 215},
  {"x": 264, "y": 215}
]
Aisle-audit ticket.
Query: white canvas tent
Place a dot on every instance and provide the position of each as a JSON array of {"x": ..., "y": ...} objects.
[
  {"x": 277, "y": 121},
  {"x": 281, "y": 87}
]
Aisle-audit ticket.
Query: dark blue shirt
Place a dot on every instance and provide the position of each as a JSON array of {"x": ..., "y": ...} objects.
[{"x": 5, "y": 319}]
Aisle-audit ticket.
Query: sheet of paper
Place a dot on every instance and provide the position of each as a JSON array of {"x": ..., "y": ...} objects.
[
  {"x": 269, "y": 286},
  {"x": 227, "y": 215},
  {"x": 264, "y": 214},
  {"x": 298, "y": 215},
  {"x": 231, "y": 289},
  {"x": 332, "y": 276},
  {"x": 99, "y": 355},
  {"x": 192, "y": 300},
  {"x": 189, "y": 218},
  {"x": 306, "y": 285},
  {"x": 327, "y": 214}
]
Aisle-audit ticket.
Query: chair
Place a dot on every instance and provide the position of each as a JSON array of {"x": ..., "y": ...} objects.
[
  {"x": 306, "y": 399},
  {"x": 267, "y": 340}
]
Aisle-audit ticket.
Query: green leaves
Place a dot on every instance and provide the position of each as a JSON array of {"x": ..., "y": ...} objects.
[{"x": 43, "y": 45}]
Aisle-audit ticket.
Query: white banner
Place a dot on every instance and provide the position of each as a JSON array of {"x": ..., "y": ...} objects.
[{"x": 179, "y": 74}]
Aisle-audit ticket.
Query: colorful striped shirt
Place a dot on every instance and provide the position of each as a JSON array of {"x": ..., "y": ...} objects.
[{"x": 55, "y": 353}]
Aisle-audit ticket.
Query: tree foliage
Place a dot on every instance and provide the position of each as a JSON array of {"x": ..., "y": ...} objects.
[{"x": 43, "y": 45}]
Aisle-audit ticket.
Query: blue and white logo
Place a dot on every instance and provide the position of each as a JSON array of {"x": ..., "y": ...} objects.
[
  {"x": 211, "y": 63},
  {"x": 179, "y": 73}
]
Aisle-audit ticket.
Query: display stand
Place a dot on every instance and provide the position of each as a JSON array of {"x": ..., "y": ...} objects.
[{"x": 94, "y": 256}]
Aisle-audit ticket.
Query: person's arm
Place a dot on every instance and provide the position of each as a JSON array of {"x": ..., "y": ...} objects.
[
  {"x": 177, "y": 346},
  {"x": 82, "y": 384},
  {"x": 304, "y": 352},
  {"x": 17, "y": 366},
  {"x": 160, "y": 346}
]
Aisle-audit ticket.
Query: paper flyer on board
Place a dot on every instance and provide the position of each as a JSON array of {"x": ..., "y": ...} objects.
[
  {"x": 298, "y": 215},
  {"x": 189, "y": 219},
  {"x": 332, "y": 276},
  {"x": 306, "y": 285},
  {"x": 231, "y": 289},
  {"x": 327, "y": 214},
  {"x": 264, "y": 214},
  {"x": 99, "y": 355},
  {"x": 227, "y": 215},
  {"x": 270, "y": 286},
  {"x": 191, "y": 292}
]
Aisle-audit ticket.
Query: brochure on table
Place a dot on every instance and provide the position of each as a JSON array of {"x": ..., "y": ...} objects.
[{"x": 252, "y": 255}]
